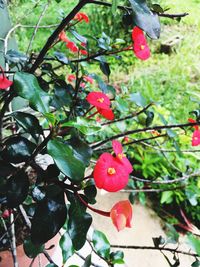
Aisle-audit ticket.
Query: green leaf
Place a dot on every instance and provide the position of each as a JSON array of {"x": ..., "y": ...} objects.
[
  {"x": 105, "y": 68},
  {"x": 65, "y": 159},
  {"x": 6, "y": 169},
  {"x": 150, "y": 117},
  {"x": 32, "y": 250},
  {"x": 196, "y": 263},
  {"x": 167, "y": 197},
  {"x": 61, "y": 57},
  {"x": 66, "y": 247},
  {"x": 145, "y": 19},
  {"x": 114, "y": 6},
  {"x": 17, "y": 149},
  {"x": 49, "y": 217},
  {"x": 172, "y": 234},
  {"x": 14, "y": 57},
  {"x": 28, "y": 122},
  {"x": 51, "y": 265},
  {"x": 79, "y": 37},
  {"x": 81, "y": 150},
  {"x": 117, "y": 257},
  {"x": 138, "y": 99},
  {"x": 62, "y": 97},
  {"x": 88, "y": 261},
  {"x": 17, "y": 189},
  {"x": 101, "y": 244},
  {"x": 194, "y": 243},
  {"x": 27, "y": 86},
  {"x": 85, "y": 126},
  {"x": 157, "y": 8}
]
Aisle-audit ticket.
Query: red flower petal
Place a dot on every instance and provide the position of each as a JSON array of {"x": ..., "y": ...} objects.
[
  {"x": 109, "y": 175},
  {"x": 193, "y": 121},
  {"x": 4, "y": 82},
  {"x": 106, "y": 113},
  {"x": 88, "y": 79},
  {"x": 121, "y": 214},
  {"x": 72, "y": 47},
  {"x": 63, "y": 37},
  {"x": 99, "y": 100},
  {"x": 117, "y": 147},
  {"x": 81, "y": 16},
  {"x": 140, "y": 46},
  {"x": 71, "y": 78},
  {"x": 83, "y": 52},
  {"x": 196, "y": 138}
]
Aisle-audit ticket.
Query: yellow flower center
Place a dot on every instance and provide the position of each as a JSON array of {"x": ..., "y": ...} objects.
[
  {"x": 101, "y": 100},
  {"x": 121, "y": 156},
  {"x": 111, "y": 171},
  {"x": 142, "y": 47}
]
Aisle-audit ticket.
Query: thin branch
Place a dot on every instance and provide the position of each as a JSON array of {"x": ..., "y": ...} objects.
[
  {"x": 55, "y": 34},
  {"x": 156, "y": 248},
  {"x": 37, "y": 25},
  {"x": 13, "y": 240},
  {"x": 153, "y": 128},
  {"x": 150, "y": 190},
  {"x": 125, "y": 8},
  {"x": 178, "y": 180}
]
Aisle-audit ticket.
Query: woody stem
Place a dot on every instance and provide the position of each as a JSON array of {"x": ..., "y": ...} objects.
[
  {"x": 92, "y": 115},
  {"x": 101, "y": 212}
]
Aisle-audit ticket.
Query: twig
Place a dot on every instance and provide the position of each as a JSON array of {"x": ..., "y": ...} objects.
[
  {"x": 151, "y": 190},
  {"x": 153, "y": 128},
  {"x": 156, "y": 248},
  {"x": 178, "y": 180},
  {"x": 36, "y": 26},
  {"x": 125, "y": 8}
]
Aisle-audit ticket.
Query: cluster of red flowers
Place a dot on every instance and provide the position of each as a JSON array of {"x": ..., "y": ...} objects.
[
  {"x": 4, "y": 82},
  {"x": 71, "y": 45},
  {"x": 140, "y": 46},
  {"x": 196, "y": 134},
  {"x": 111, "y": 173},
  {"x": 72, "y": 78},
  {"x": 102, "y": 104}
]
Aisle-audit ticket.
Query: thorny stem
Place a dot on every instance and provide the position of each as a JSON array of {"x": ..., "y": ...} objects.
[
  {"x": 101, "y": 212},
  {"x": 162, "y": 127},
  {"x": 156, "y": 248}
]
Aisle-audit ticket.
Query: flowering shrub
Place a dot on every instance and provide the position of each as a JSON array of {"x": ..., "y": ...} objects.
[{"x": 60, "y": 122}]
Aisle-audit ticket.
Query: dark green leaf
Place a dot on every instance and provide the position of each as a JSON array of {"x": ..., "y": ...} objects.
[
  {"x": 65, "y": 159},
  {"x": 79, "y": 37},
  {"x": 32, "y": 250},
  {"x": 17, "y": 149},
  {"x": 28, "y": 122},
  {"x": 158, "y": 241},
  {"x": 51, "y": 265},
  {"x": 88, "y": 261},
  {"x": 14, "y": 57},
  {"x": 105, "y": 68},
  {"x": 62, "y": 97},
  {"x": 157, "y": 8},
  {"x": 117, "y": 257},
  {"x": 101, "y": 244},
  {"x": 5, "y": 170},
  {"x": 26, "y": 86},
  {"x": 150, "y": 117},
  {"x": 61, "y": 57},
  {"x": 38, "y": 193},
  {"x": 66, "y": 247},
  {"x": 196, "y": 263},
  {"x": 145, "y": 19},
  {"x": 49, "y": 217},
  {"x": 17, "y": 189},
  {"x": 172, "y": 234},
  {"x": 138, "y": 99}
]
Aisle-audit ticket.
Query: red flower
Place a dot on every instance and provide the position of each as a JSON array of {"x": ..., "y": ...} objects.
[
  {"x": 196, "y": 138},
  {"x": 71, "y": 78},
  {"x": 83, "y": 52},
  {"x": 4, "y": 82},
  {"x": 99, "y": 100},
  {"x": 6, "y": 214},
  {"x": 193, "y": 121},
  {"x": 106, "y": 113},
  {"x": 72, "y": 46},
  {"x": 140, "y": 46},
  {"x": 121, "y": 157},
  {"x": 81, "y": 16},
  {"x": 126, "y": 139},
  {"x": 121, "y": 214},
  {"x": 63, "y": 37},
  {"x": 88, "y": 79},
  {"x": 109, "y": 174}
]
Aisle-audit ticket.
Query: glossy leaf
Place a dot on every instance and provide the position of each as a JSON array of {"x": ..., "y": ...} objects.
[
  {"x": 62, "y": 97},
  {"x": 145, "y": 19},
  {"x": 27, "y": 86},
  {"x": 6, "y": 169},
  {"x": 17, "y": 149},
  {"x": 28, "y": 122},
  {"x": 32, "y": 250},
  {"x": 17, "y": 189},
  {"x": 61, "y": 57},
  {"x": 88, "y": 261},
  {"x": 194, "y": 243},
  {"x": 138, "y": 99},
  {"x": 66, "y": 247},
  {"x": 66, "y": 160},
  {"x": 101, "y": 244},
  {"x": 117, "y": 257},
  {"x": 49, "y": 217},
  {"x": 14, "y": 57}
]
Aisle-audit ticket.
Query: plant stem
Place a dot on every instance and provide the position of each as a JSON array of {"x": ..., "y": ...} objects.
[
  {"x": 55, "y": 34},
  {"x": 162, "y": 127}
]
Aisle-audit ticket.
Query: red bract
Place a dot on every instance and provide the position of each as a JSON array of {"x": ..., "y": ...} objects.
[
  {"x": 121, "y": 157},
  {"x": 99, "y": 100},
  {"x": 72, "y": 47},
  {"x": 81, "y": 16},
  {"x": 71, "y": 78},
  {"x": 140, "y": 46},
  {"x": 196, "y": 138},
  {"x": 83, "y": 52},
  {"x": 106, "y": 113},
  {"x": 109, "y": 174},
  {"x": 193, "y": 121},
  {"x": 6, "y": 214},
  {"x": 62, "y": 37},
  {"x": 121, "y": 214},
  {"x": 4, "y": 82},
  {"x": 88, "y": 79}
]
